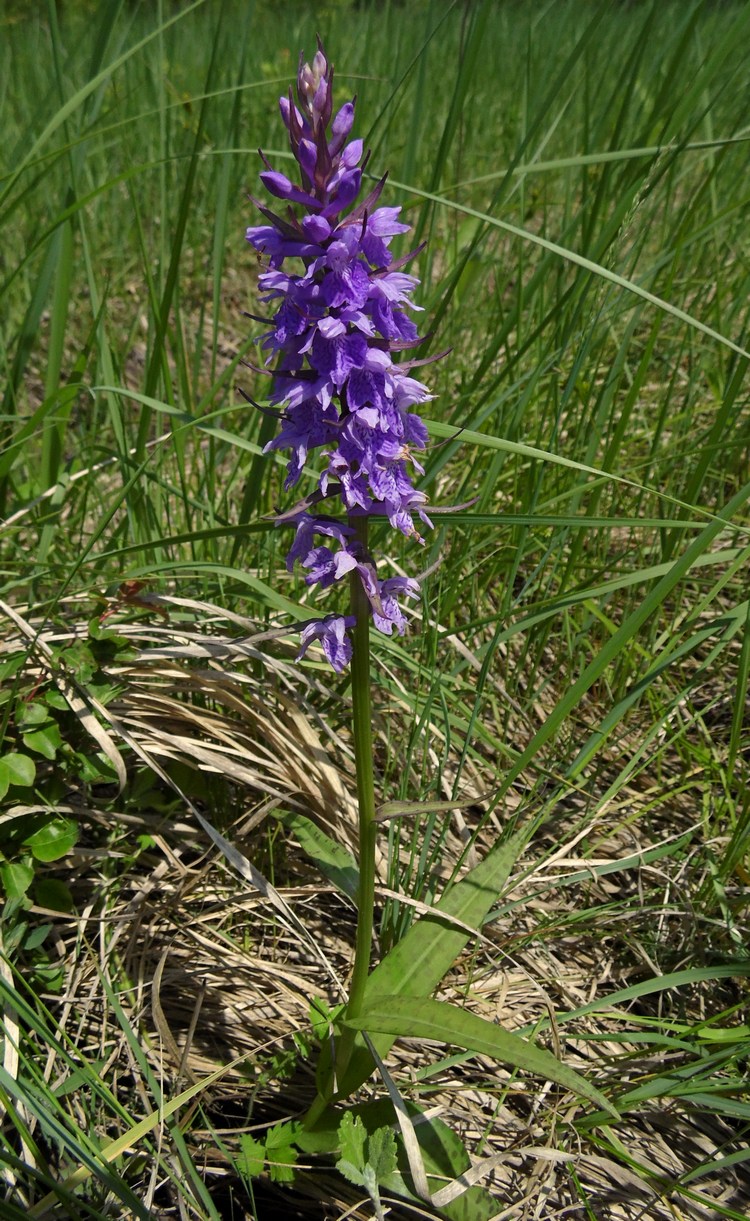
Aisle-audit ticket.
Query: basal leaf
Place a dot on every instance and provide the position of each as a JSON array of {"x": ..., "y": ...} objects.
[
  {"x": 352, "y": 1136},
  {"x": 381, "y": 1153},
  {"x": 281, "y": 1154},
  {"x": 417, "y": 963},
  {"x": 443, "y": 1153},
  {"x": 424, "y": 1018},
  {"x": 252, "y": 1156},
  {"x": 351, "y": 1172}
]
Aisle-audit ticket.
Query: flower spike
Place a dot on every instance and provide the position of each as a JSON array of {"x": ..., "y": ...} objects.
[{"x": 333, "y": 331}]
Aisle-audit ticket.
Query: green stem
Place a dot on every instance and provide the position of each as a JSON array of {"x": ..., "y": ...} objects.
[
  {"x": 362, "y": 726},
  {"x": 362, "y": 732}
]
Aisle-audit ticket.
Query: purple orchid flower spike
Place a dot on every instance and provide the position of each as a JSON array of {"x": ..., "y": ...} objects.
[{"x": 335, "y": 328}]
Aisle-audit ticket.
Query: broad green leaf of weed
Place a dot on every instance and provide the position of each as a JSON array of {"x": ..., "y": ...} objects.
[
  {"x": 54, "y": 840},
  {"x": 32, "y": 714},
  {"x": 36, "y": 937},
  {"x": 16, "y": 768},
  {"x": 367, "y": 1161},
  {"x": 352, "y": 1143},
  {"x": 443, "y": 1153},
  {"x": 46, "y": 741},
  {"x": 252, "y": 1156},
  {"x": 281, "y": 1153},
  {"x": 53, "y": 894},
  {"x": 16, "y": 878},
  {"x": 381, "y": 1152}
]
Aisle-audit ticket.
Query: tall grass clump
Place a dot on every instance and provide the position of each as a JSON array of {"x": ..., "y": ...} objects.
[{"x": 549, "y": 997}]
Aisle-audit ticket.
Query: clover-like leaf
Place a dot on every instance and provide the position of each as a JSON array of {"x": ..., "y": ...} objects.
[
  {"x": 16, "y": 768},
  {"x": 54, "y": 840}
]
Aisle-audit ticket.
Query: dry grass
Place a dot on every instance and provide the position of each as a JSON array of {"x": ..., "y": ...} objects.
[{"x": 211, "y": 969}]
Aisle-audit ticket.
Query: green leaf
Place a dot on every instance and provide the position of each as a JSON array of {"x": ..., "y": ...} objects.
[
  {"x": 32, "y": 714},
  {"x": 417, "y": 963},
  {"x": 56, "y": 700},
  {"x": 443, "y": 1154},
  {"x": 399, "y": 809},
  {"x": 352, "y": 1140},
  {"x": 18, "y": 769},
  {"x": 334, "y": 861},
  {"x": 11, "y": 665},
  {"x": 416, "y": 1018},
  {"x": 54, "y": 840},
  {"x": 323, "y": 1017},
  {"x": 281, "y": 1153},
  {"x": 367, "y": 1161},
  {"x": 251, "y": 1157},
  {"x": 45, "y": 741},
  {"x": 36, "y": 937},
  {"x": 53, "y": 894},
  {"x": 48, "y": 975},
  {"x": 78, "y": 1078},
  {"x": 95, "y": 769},
  {"x": 381, "y": 1153},
  {"x": 660, "y": 983},
  {"x": 16, "y": 877}
]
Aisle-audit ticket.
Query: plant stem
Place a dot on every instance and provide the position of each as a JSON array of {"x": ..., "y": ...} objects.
[
  {"x": 362, "y": 728},
  {"x": 362, "y": 732}
]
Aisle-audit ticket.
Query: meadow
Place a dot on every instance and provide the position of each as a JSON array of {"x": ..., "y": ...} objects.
[{"x": 178, "y": 810}]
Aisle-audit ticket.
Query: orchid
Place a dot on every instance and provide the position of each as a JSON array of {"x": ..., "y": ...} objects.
[
  {"x": 336, "y": 326},
  {"x": 340, "y": 309}
]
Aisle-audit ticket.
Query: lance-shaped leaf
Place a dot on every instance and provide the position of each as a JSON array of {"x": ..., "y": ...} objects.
[
  {"x": 415, "y": 1018},
  {"x": 333, "y": 860},
  {"x": 418, "y": 962}
]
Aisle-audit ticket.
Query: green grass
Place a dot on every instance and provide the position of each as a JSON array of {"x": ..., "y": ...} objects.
[{"x": 579, "y": 172}]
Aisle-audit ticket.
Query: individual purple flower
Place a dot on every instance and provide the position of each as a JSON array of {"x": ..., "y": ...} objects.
[
  {"x": 339, "y": 314},
  {"x": 327, "y": 566},
  {"x": 331, "y": 631},
  {"x": 307, "y": 527},
  {"x": 390, "y": 615}
]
